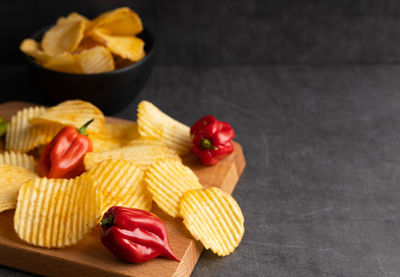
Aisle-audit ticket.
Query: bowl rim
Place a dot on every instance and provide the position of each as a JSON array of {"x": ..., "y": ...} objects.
[{"x": 113, "y": 72}]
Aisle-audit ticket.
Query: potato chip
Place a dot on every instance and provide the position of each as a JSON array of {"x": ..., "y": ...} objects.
[
  {"x": 114, "y": 135},
  {"x": 57, "y": 212},
  {"x": 146, "y": 141},
  {"x": 101, "y": 145},
  {"x": 140, "y": 155},
  {"x": 167, "y": 180},
  {"x": 96, "y": 60},
  {"x": 123, "y": 131},
  {"x": 119, "y": 22},
  {"x": 65, "y": 62},
  {"x": 74, "y": 16},
  {"x": 22, "y": 136},
  {"x": 85, "y": 44},
  {"x": 154, "y": 123},
  {"x": 32, "y": 48},
  {"x": 213, "y": 217},
  {"x": 63, "y": 43},
  {"x": 11, "y": 178},
  {"x": 18, "y": 159},
  {"x": 74, "y": 113},
  {"x": 121, "y": 184},
  {"x": 121, "y": 63},
  {"x": 65, "y": 36},
  {"x": 131, "y": 48}
]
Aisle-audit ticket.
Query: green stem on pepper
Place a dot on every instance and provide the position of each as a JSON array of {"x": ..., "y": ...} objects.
[
  {"x": 3, "y": 126},
  {"x": 207, "y": 144},
  {"x": 107, "y": 221},
  {"x": 82, "y": 130}
]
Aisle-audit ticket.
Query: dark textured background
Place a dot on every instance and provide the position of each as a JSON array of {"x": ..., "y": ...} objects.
[{"x": 312, "y": 90}]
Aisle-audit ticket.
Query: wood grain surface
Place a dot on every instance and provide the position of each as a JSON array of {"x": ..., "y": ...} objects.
[{"x": 89, "y": 257}]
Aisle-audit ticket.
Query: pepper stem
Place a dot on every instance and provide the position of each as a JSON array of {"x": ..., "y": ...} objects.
[
  {"x": 82, "y": 130},
  {"x": 3, "y": 126},
  {"x": 207, "y": 144},
  {"x": 107, "y": 221}
]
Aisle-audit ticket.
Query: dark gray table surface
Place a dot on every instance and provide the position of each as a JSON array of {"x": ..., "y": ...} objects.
[{"x": 320, "y": 193}]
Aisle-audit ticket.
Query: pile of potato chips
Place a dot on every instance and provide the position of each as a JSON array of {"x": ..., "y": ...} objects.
[
  {"x": 132, "y": 165},
  {"x": 77, "y": 45}
]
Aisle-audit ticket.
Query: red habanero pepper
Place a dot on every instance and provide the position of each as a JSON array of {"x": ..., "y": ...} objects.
[
  {"x": 135, "y": 236},
  {"x": 211, "y": 139},
  {"x": 63, "y": 156}
]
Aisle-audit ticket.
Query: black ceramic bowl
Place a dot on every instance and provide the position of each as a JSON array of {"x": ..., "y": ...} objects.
[{"x": 110, "y": 91}]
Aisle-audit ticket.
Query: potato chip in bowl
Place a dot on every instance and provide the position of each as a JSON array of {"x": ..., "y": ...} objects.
[
  {"x": 78, "y": 45},
  {"x": 105, "y": 60}
]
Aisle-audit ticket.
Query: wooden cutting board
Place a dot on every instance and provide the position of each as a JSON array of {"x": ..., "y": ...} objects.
[{"x": 89, "y": 257}]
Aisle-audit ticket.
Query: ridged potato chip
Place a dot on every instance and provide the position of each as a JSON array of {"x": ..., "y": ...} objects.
[
  {"x": 22, "y": 136},
  {"x": 123, "y": 131},
  {"x": 146, "y": 141},
  {"x": 65, "y": 36},
  {"x": 96, "y": 60},
  {"x": 65, "y": 62},
  {"x": 32, "y": 48},
  {"x": 213, "y": 217},
  {"x": 140, "y": 155},
  {"x": 74, "y": 16},
  {"x": 62, "y": 45},
  {"x": 154, "y": 123},
  {"x": 74, "y": 113},
  {"x": 131, "y": 48},
  {"x": 18, "y": 159},
  {"x": 100, "y": 144},
  {"x": 11, "y": 178},
  {"x": 114, "y": 135},
  {"x": 167, "y": 180},
  {"x": 121, "y": 63},
  {"x": 119, "y": 22},
  {"x": 57, "y": 212},
  {"x": 86, "y": 43},
  {"x": 121, "y": 184}
]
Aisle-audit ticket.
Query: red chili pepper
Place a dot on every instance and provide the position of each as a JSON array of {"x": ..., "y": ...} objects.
[
  {"x": 134, "y": 235},
  {"x": 63, "y": 156},
  {"x": 211, "y": 139}
]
